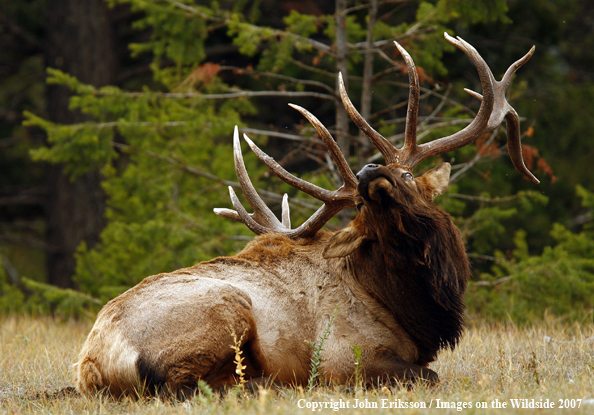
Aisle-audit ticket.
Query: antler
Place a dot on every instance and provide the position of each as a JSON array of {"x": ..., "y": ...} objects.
[
  {"x": 494, "y": 108},
  {"x": 263, "y": 220}
]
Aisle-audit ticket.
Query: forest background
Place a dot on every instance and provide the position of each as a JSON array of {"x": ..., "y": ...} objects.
[{"x": 116, "y": 120}]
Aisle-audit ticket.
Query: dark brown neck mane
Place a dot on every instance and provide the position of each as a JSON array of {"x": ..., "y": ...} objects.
[{"x": 418, "y": 269}]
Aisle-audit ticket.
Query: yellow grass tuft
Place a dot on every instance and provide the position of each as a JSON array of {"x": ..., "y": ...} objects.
[{"x": 238, "y": 360}]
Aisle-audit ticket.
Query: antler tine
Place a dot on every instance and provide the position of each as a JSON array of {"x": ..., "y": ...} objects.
[
  {"x": 384, "y": 146},
  {"x": 479, "y": 124},
  {"x": 410, "y": 133},
  {"x": 506, "y": 80},
  {"x": 246, "y": 218},
  {"x": 262, "y": 220},
  {"x": 501, "y": 107},
  {"x": 343, "y": 166},
  {"x": 514, "y": 145},
  {"x": 262, "y": 214},
  {"x": 512, "y": 121},
  {"x": 286, "y": 216},
  {"x": 241, "y": 215}
]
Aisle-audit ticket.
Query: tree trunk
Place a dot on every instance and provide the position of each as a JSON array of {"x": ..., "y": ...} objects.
[
  {"x": 366, "y": 94},
  {"x": 342, "y": 120},
  {"x": 80, "y": 42}
]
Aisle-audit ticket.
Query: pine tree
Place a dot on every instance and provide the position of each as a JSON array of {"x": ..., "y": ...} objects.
[{"x": 164, "y": 150}]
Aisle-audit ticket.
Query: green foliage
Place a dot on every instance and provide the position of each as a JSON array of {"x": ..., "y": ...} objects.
[
  {"x": 489, "y": 223},
  {"x": 249, "y": 37},
  {"x": 354, "y": 29},
  {"x": 24, "y": 295},
  {"x": 428, "y": 50},
  {"x": 157, "y": 211},
  {"x": 206, "y": 395},
  {"x": 478, "y": 11},
  {"x": 176, "y": 35},
  {"x": 147, "y": 145},
  {"x": 46, "y": 298},
  {"x": 559, "y": 282},
  {"x": 303, "y": 25}
]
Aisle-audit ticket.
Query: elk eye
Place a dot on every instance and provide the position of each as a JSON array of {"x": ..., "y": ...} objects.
[{"x": 407, "y": 176}]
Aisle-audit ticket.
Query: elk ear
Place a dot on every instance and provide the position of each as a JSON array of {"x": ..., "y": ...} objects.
[
  {"x": 436, "y": 180},
  {"x": 343, "y": 243}
]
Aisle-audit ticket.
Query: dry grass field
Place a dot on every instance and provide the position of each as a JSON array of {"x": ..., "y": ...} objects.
[{"x": 547, "y": 363}]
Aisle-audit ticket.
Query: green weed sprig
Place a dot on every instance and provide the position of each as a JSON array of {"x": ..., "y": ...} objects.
[{"x": 316, "y": 358}]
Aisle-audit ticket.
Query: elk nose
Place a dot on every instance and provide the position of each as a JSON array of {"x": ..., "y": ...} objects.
[{"x": 366, "y": 170}]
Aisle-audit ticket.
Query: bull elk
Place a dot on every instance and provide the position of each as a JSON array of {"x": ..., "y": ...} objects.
[{"x": 396, "y": 275}]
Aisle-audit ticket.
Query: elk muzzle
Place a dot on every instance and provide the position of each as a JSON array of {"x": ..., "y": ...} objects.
[{"x": 375, "y": 181}]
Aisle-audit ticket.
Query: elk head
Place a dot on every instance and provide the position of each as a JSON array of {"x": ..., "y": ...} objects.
[{"x": 394, "y": 181}]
